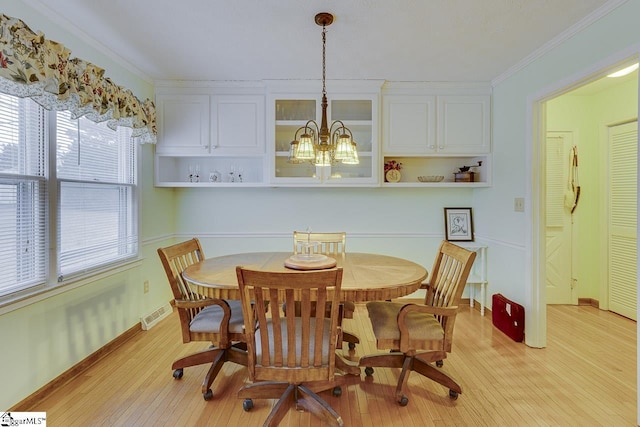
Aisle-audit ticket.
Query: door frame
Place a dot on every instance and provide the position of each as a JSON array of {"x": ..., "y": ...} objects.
[{"x": 535, "y": 194}]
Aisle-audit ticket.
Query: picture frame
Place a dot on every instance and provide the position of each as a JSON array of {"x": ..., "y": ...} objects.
[{"x": 458, "y": 224}]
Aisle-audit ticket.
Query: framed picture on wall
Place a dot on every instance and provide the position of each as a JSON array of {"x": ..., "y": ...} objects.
[{"x": 458, "y": 224}]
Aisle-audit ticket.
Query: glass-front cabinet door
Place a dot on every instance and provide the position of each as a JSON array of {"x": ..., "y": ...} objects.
[
  {"x": 359, "y": 115},
  {"x": 290, "y": 114}
]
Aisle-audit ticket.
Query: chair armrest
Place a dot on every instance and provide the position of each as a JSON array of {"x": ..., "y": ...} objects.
[
  {"x": 436, "y": 311},
  {"x": 202, "y": 303},
  {"x": 405, "y": 333}
]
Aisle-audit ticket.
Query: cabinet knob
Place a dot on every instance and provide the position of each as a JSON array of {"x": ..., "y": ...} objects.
[{"x": 441, "y": 147}]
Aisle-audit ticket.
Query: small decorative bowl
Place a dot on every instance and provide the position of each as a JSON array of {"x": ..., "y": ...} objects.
[{"x": 431, "y": 178}]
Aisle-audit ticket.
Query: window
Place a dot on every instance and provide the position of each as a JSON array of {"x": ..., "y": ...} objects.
[
  {"x": 96, "y": 182},
  {"x": 23, "y": 194},
  {"x": 88, "y": 186}
]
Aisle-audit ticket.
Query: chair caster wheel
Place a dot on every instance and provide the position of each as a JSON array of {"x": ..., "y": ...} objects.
[
  {"x": 177, "y": 374},
  {"x": 453, "y": 394},
  {"x": 247, "y": 404},
  {"x": 208, "y": 395},
  {"x": 439, "y": 363},
  {"x": 403, "y": 400},
  {"x": 337, "y": 391},
  {"x": 368, "y": 371}
]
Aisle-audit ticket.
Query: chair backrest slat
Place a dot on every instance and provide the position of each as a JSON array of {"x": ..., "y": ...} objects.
[
  {"x": 333, "y": 243},
  {"x": 175, "y": 259},
  {"x": 448, "y": 276},
  {"x": 281, "y": 345}
]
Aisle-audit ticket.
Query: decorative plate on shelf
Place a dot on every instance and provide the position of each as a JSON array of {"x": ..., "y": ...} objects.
[
  {"x": 393, "y": 175},
  {"x": 431, "y": 178}
]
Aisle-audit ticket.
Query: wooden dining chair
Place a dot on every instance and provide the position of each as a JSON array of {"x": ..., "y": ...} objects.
[
  {"x": 332, "y": 243},
  {"x": 327, "y": 243},
  {"x": 291, "y": 357},
  {"x": 420, "y": 335},
  {"x": 217, "y": 321}
]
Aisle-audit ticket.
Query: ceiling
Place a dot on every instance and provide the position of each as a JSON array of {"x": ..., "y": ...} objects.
[{"x": 410, "y": 40}]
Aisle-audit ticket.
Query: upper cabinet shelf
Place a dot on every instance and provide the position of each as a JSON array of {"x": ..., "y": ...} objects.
[
  {"x": 418, "y": 125},
  {"x": 435, "y": 131},
  {"x": 221, "y": 128},
  {"x": 218, "y": 132},
  {"x": 290, "y": 107}
]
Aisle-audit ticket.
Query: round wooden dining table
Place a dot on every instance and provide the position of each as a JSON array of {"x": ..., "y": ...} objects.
[{"x": 365, "y": 277}]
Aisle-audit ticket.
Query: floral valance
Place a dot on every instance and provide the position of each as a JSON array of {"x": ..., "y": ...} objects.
[{"x": 32, "y": 66}]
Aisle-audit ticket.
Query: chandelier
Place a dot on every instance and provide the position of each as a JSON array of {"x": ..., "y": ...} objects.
[{"x": 323, "y": 145}]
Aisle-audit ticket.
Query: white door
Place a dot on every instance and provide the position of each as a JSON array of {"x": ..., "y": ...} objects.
[
  {"x": 623, "y": 212},
  {"x": 558, "y": 217}
]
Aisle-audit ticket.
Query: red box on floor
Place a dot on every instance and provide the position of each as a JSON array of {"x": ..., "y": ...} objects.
[{"x": 508, "y": 316}]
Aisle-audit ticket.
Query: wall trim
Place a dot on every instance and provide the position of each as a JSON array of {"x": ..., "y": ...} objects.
[
  {"x": 599, "y": 13},
  {"x": 589, "y": 301},
  {"x": 73, "y": 29},
  {"x": 30, "y": 402},
  {"x": 157, "y": 239},
  {"x": 479, "y": 238}
]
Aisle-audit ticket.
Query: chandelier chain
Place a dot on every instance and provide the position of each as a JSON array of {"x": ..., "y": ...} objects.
[
  {"x": 324, "y": 145},
  {"x": 324, "y": 67}
]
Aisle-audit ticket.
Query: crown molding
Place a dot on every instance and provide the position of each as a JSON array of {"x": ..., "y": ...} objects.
[
  {"x": 72, "y": 28},
  {"x": 599, "y": 13}
]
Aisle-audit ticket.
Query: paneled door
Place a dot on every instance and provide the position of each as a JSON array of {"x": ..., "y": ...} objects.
[
  {"x": 559, "y": 235},
  {"x": 623, "y": 214}
]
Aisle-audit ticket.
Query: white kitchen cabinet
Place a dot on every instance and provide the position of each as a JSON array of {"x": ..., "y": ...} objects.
[
  {"x": 464, "y": 124},
  {"x": 434, "y": 130},
  {"x": 237, "y": 125},
  {"x": 183, "y": 124},
  {"x": 417, "y": 125},
  {"x": 210, "y": 135},
  {"x": 409, "y": 124},
  {"x": 290, "y": 106}
]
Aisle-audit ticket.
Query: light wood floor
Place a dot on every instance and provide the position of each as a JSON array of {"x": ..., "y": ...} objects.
[{"x": 585, "y": 377}]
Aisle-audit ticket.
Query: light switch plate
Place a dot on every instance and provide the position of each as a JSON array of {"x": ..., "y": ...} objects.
[{"x": 518, "y": 204}]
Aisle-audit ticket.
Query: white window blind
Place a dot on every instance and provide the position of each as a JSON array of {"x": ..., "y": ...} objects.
[
  {"x": 23, "y": 195},
  {"x": 96, "y": 171}
]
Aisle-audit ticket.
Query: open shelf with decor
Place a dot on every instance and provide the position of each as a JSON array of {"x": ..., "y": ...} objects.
[
  {"x": 439, "y": 166},
  {"x": 207, "y": 171}
]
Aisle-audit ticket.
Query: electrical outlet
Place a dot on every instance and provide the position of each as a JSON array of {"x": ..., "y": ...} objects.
[
  {"x": 146, "y": 286},
  {"x": 518, "y": 204}
]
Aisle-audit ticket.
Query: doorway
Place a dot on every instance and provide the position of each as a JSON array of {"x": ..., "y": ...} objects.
[
  {"x": 577, "y": 255},
  {"x": 587, "y": 113}
]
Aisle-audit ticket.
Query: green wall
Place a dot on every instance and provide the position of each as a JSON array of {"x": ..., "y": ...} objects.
[
  {"x": 588, "y": 116},
  {"x": 45, "y": 338}
]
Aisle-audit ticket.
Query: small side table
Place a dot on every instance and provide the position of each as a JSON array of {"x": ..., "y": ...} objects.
[{"x": 478, "y": 275}]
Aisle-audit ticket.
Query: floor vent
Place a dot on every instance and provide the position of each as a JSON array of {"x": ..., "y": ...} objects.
[{"x": 149, "y": 321}]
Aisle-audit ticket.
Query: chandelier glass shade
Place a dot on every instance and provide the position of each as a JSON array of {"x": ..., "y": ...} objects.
[{"x": 323, "y": 145}]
